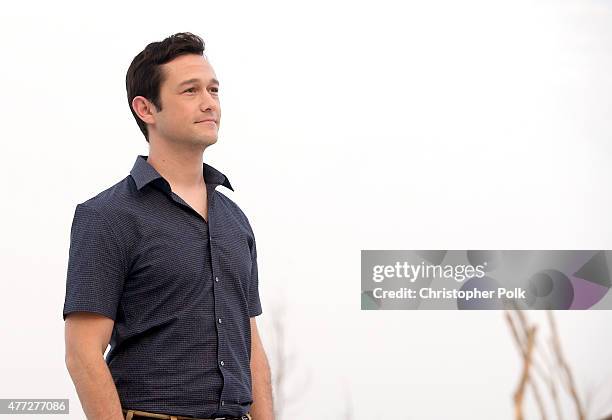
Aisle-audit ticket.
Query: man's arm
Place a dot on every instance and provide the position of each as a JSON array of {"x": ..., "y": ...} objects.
[
  {"x": 261, "y": 409},
  {"x": 87, "y": 335}
]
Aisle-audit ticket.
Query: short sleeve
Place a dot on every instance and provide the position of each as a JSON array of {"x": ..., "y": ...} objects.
[
  {"x": 254, "y": 301},
  {"x": 96, "y": 265}
]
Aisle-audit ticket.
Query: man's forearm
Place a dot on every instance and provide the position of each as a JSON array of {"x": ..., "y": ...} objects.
[
  {"x": 262, "y": 407},
  {"x": 95, "y": 387}
]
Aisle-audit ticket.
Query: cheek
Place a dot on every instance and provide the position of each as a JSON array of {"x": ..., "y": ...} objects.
[{"x": 179, "y": 115}]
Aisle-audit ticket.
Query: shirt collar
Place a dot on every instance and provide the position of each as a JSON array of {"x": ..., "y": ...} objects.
[{"x": 143, "y": 173}]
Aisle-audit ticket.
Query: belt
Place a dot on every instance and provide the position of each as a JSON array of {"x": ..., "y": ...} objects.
[{"x": 131, "y": 413}]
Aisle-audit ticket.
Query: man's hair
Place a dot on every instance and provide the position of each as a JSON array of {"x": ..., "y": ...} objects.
[{"x": 145, "y": 77}]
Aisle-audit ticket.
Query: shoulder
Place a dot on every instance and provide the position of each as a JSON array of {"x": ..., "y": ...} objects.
[
  {"x": 234, "y": 209},
  {"x": 106, "y": 206}
]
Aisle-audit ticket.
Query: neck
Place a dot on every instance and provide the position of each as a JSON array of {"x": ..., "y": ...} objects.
[{"x": 182, "y": 168}]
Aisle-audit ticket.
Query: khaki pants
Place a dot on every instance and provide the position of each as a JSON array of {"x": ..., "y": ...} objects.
[{"x": 137, "y": 414}]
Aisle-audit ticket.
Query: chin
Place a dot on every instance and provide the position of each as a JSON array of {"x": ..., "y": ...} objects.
[
  {"x": 206, "y": 141},
  {"x": 203, "y": 139}
]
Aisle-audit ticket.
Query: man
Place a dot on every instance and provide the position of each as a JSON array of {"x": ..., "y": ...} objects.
[{"x": 164, "y": 267}]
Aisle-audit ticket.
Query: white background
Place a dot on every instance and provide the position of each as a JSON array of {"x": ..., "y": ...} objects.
[{"x": 346, "y": 126}]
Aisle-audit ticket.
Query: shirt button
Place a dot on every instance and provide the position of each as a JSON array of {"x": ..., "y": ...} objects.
[
  {"x": 219, "y": 320},
  {"x": 217, "y": 279},
  {"x": 222, "y": 363},
  {"x": 222, "y": 402}
]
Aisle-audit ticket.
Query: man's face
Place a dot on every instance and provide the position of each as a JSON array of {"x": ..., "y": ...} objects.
[{"x": 189, "y": 95}]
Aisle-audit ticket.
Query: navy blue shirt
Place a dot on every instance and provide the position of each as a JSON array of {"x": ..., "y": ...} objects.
[{"x": 180, "y": 289}]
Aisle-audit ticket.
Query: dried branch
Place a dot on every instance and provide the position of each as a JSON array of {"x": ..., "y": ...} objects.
[
  {"x": 524, "y": 350},
  {"x": 565, "y": 367},
  {"x": 520, "y": 391}
]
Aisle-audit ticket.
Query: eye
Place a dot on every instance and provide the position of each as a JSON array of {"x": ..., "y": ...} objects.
[
  {"x": 189, "y": 90},
  {"x": 215, "y": 89}
]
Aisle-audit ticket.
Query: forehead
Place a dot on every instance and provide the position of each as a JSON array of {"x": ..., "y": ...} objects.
[{"x": 188, "y": 66}]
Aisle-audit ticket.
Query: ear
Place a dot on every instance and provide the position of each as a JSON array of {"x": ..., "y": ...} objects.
[{"x": 144, "y": 109}]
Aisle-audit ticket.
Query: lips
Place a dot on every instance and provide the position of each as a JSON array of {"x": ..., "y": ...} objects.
[{"x": 207, "y": 120}]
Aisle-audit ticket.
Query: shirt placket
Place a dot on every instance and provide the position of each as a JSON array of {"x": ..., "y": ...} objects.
[{"x": 217, "y": 291}]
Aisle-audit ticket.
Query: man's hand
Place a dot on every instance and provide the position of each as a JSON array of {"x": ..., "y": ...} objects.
[{"x": 262, "y": 408}]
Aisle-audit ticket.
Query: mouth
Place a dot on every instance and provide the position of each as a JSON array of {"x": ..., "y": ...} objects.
[{"x": 207, "y": 121}]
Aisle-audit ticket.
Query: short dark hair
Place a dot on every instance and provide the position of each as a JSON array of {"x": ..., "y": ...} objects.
[{"x": 144, "y": 76}]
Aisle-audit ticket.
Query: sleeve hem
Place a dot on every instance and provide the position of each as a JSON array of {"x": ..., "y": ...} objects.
[
  {"x": 98, "y": 311},
  {"x": 255, "y": 312}
]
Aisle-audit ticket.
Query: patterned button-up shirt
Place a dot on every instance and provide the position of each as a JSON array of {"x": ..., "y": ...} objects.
[{"x": 180, "y": 289}]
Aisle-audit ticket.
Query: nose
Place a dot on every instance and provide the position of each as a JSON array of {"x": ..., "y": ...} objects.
[{"x": 209, "y": 102}]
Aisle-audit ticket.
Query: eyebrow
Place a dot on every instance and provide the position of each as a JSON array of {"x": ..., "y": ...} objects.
[{"x": 186, "y": 82}]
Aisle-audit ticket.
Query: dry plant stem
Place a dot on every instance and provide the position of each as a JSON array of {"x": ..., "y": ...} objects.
[
  {"x": 546, "y": 379},
  {"x": 565, "y": 367},
  {"x": 523, "y": 349},
  {"x": 552, "y": 384},
  {"x": 538, "y": 398},
  {"x": 553, "y": 393},
  {"x": 520, "y": 391},
  {"x": 521, "y": 344},
  {"x": 538, "y": 349}
]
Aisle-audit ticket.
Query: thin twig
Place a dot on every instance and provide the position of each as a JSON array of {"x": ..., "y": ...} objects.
[
  {"x": 520, "y": 391},
  {"x": 524, "y": 354},
  {"x": 566, "y": 369}
]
